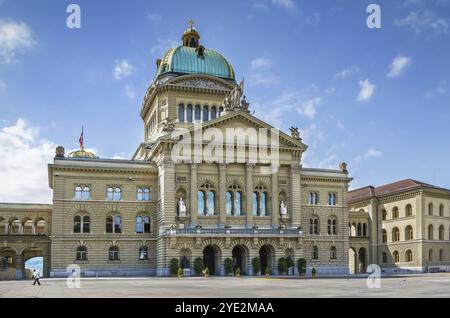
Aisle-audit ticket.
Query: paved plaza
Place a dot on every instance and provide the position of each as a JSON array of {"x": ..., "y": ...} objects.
[{"x": 429, "y": 285}]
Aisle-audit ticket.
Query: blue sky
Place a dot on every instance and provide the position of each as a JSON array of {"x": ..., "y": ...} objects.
[{"x": 375, "y": 98}]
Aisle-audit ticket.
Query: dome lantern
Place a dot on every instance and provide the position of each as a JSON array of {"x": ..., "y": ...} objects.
[{"x": 190, "y": 36}]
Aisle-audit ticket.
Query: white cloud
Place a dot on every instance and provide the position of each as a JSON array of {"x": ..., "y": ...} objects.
[
  {"x": 370, "y": 153},
  {"x": 129, "y": 91},
  {"x": 120, "y": 156},
  {"x": 440, "y": 89},
  {"x": 424, "y": 21},
  {"x": 23, "y": 164},
  {"x": 123, "y": 69},
  {"x": 15, "y": 37},
  {"x": 346, "y": 72},
  {"x": 308, "y": 108},
  {"x": 340, "y": 125},
  {"x": 153, "y": 17},
  {"x": 264, "y": 4},
  {"x": 287, "y": 4},
  {"x": 313, "y": 19},
  {"x": 162, "y": 45},
  {"x": 366, "y": 91},
  {"x": 2, "y": 86},
  {"x": 260, "y": 64},
  {"x": 398, "y": 66}
]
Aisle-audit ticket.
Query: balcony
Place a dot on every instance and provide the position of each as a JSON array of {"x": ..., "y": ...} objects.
[{"x": 218, "y": 232}]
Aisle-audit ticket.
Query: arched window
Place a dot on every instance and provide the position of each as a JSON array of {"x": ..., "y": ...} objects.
[
  {"x": 315, "y": 252},
  {"x": 313, "y": 198},
  {"x": 206, "y": 197},
  {"x": 143, "y": 253},
  {"x": 409, "y": 233},
  {"x": 82, "y": 193},
  {"x": 260, "y": 201},
  {"x": 430, "y": 255},
  {"x": 384, "y": 235},
  {"x": 353, "y": 229},
  {"x": 331, "y": 227},
  {"x": 205, "y": 114},
  {"x": 213, "y": 112},
  {"x": 229, "y": 202},
  {"x": 408, "y": 210},
  {"x": 314, "y": 225},
  {"x": 189, "y": 113},
  {"x": 364, "y": 230},
  {"x": 395, "y": 213},
  {"x": 81, "y": 253},
  {"x": 441, "y": 233},
  {"x": 142, "y": 224},
  {"x": 77, "y": 224},
  {"x": 441, "y": 210},
  {"x": 86, "y": 224},
  {"x": 441, "y": 255},
  {"x": 27, "y": 227},
  {"x": 113, "y": 193},
  {"x": 430, "y": 232},
  {"x": 396, "y": 256},
  {"x": 113, "y": 253},
  {"x": 198, "y": 113},
  {"x": 408, "y": 256},
  {"x": 384, "y": 257},
  {"x": 181, "y": 113},
  {"x": 143, "y": 194},
  {"x": 113, "y": 224},
  {"x": 384, "y": 215},
  {"x": 15, "y": 226},
  {"x": 395, "y": 234},
  {"x": 430, "y": 208},
  {"x": 359, "y": 230},
  {"x": 333, "y": 253},
  {"x": 331, "y": 198},
  {"x": 3, "y": 226},
  {"x": 234, "y": 200}
]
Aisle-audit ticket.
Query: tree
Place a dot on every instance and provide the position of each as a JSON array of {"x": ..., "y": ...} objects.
[
  {"x": 256, "y": 266},
  {"x": 174, "y": 264},
  {"x": 228, "y": 264},
  {"x": 282, "y": 265},
  {"x": 301, "y": 266},
  {"x": 198, "y": 265},
  {"x": 180, "y": 272}
]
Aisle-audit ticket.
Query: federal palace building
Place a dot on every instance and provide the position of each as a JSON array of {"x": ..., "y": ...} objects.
[{"x": 210, "y": 180}]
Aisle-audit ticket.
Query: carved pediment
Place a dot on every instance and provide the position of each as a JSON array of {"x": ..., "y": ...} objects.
[{"x": 201, "y": 83}]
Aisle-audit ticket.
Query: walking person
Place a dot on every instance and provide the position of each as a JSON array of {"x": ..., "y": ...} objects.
[{"x": 36, "y": 277}]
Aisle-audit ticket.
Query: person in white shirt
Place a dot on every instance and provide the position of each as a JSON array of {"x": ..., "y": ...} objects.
[{"x": 36, "y": 277}]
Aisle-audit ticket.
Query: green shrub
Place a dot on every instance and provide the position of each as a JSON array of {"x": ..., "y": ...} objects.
[
  {"x": 301, "y": 266},
  {"x": 313, "y": 272},
  {"x": 198, "y": 265},
  {"x": 228, "y": 264},
  {"x": 256, "y": 266},
  {"x": 238, "y": 271},
  {"x": 174, "y": 264},
  {"x": 180, "y": 272},
  {"x": 206, "y": 271},
  {"x": 282, "y": 265}
]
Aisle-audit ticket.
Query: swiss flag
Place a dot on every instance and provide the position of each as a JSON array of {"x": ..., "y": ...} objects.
[{"x": 81, "y": 140}]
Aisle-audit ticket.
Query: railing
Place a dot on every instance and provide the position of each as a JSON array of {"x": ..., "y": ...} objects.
[{"x": 219, "y": 231}]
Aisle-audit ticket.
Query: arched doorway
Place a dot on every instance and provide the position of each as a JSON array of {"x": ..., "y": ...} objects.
[
  {"x": 266, "y": 257},
  {"x": 239, "y": 256},
  {"x": 7, "y": 263},
  {"x": 35, "y": 263},
  {"x": 211, "y": 259},
  {"x": 33, "y": 258},
  {"x": 362, "y": 260},
  {"x": 352, "y": 261}
]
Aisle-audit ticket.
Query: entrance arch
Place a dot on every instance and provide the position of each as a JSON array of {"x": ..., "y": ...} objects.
[
  {"x": 211, "y": 259},
  {"x": 352, "y": 262},
  {"x": 266, "y": 254},
  {"x": 31, "y": 253},
  {"x": 362, "y": 255},
  {"x": 240, "y": 259}
]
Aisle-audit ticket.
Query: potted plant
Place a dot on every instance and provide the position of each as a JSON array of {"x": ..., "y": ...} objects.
[
  {"x": 238, "y": 272},
  {"x": 228, "y": 264},
  {"x": 313, "y": 272},
  {"x": 174, "y": 265},
  {"x": 206, "y": 271},
  {"x": 180, "y": 272},
  {"x": 301, "y": 266},
  {"x": 198, "y": 266},
  {"x": 256, "y": 266},
  {"x": 267, "y": 272},
  {"x": 282, "y": 266}
]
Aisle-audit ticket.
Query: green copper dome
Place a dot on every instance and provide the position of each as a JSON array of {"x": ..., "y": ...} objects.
[{"x": 193, "y": 58}]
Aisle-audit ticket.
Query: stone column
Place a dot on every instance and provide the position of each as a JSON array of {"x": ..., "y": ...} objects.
[
  {"x": 249, "y": 193},
  {"x": 6, "y": 228},
  {"x": 373, "y": 232},
  {"x": 20, "y": 267},
  {"x": 193, "y": 197},
  {"x": 275, "y": 201},
  {"x": 222, "y": 194},
  {"x": 295, "y": 206},
  {"x": 166, "y": 169}
]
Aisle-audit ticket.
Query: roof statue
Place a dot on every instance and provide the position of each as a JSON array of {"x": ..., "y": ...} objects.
[
  {"x": 236, "y": 100},
  {"x": 295, "y": 133}
]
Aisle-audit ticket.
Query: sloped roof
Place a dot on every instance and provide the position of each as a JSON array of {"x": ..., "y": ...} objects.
[{"x": 390, "y": 188}]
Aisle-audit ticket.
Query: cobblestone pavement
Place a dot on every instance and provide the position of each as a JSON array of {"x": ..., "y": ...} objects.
[{"x": 428, "y": 285}]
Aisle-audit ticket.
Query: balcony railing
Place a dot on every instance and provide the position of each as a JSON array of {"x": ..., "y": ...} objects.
[{"x": 233, "y": 232}]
